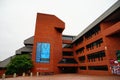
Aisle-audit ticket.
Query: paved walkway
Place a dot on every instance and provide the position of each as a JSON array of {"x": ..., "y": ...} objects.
[{"x": 67, "y": 77}]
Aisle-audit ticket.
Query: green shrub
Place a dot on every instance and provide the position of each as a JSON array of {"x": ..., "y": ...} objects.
[{"x": 19, "y": 64}]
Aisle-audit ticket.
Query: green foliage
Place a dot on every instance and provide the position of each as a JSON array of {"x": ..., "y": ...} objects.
[
  {"x": 19, "y": 64},
  {"x": 118, "y": 54}
]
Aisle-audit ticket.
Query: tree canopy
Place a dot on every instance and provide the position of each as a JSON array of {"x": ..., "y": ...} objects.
[{"x": 19, "y": 64}]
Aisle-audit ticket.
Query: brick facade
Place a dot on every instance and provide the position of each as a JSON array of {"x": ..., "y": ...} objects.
[{"x": 48, "y": 30}]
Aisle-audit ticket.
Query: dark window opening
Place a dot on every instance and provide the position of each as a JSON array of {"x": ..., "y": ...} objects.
[
  {"x": 25, "y": 52},
  {"x": 82, "y": 59},
  {"x": 94, "y": 31},
  {"x": 68, "y": 60},
  {"x": 99, "y": 55},
  {"x": 79, "y": 51},
  {"x": 104, "y": 68},
  {"x": 67, "y": 53},
  {"x": 68, "y": 69},
  {"x": 60, "y": 30},
  {"x": 80, "y": 40},
  {"x": 82, "y": 67},
  {"x": 96, "y": 43}
]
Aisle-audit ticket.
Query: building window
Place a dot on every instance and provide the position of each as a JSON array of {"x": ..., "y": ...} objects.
[
  {"x": 103, "y": 68},
  {"x": 82, "y": 59},
  {"x": 94, "y": 56},
  {"x": 93, "y": 44},
  {"x": 82, "y": 67},
  {"x": 67, "y": 53},
  {"x": 79, "y": 41},
  {"x": 68, "y": 60},
  {"x": 79, "y": 51},
  {"x": 94, "y": 31}
]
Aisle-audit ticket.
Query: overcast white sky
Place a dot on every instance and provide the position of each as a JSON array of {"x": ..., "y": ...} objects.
[{"x": 18, "y": 17}]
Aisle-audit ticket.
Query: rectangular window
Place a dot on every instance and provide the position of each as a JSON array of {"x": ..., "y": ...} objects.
[
  {"x": 82, "y": 67},
  {"x": 82, "y": 59},
  {"x": 43, "y": 52},
  {"x": 102, "y": 68}
]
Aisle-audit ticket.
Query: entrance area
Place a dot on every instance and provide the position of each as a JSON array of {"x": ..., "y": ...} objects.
[{"x": 68, "y": 69}]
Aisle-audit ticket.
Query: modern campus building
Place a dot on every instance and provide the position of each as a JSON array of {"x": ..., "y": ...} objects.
[{"x": 96, "y": 50}]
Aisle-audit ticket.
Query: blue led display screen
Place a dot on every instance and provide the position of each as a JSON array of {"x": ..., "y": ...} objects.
[{"x": 43, "y": 52}]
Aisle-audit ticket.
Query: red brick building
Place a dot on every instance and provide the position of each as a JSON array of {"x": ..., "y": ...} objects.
[
  {"x": 97, "y": 45},
  {"x": 89, "y": 53},
  {"x": 94, "y": 51}
]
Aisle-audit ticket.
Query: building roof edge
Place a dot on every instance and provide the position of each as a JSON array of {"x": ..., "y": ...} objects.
[{"x": 99, "y": 19}]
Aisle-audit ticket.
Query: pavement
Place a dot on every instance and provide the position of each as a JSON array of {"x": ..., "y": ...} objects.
[{"x": 65, "y": 77}]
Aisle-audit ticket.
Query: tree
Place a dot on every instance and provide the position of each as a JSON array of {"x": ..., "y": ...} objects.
[{"x": 19, "y": 64}]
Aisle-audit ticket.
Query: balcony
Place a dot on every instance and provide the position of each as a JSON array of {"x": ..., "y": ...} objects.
[
  {"x": 94, "y": 38},
  {"x": 103, "y": 62},
  {"x": 96, "y": 49}
]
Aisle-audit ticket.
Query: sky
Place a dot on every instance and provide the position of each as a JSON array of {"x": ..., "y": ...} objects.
[{"x": 18, "y": 18}]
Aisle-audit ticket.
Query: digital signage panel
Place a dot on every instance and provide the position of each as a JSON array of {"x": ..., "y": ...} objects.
[{"x": 43, "y": 52}]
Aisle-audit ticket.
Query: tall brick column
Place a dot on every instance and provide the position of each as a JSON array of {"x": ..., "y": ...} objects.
[{"x": 48, "y": 30}]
